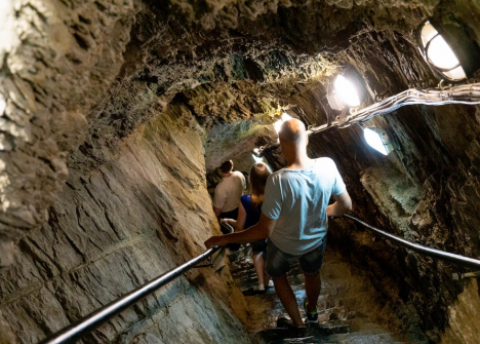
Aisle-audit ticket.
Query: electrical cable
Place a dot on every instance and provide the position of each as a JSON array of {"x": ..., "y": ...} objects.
[
  {"x": 467, "y": 94},
  {"x": 461, "y": 94}
]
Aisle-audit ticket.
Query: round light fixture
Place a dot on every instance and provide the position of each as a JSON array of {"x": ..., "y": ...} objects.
[
  {"x": 346, "y": 91},
  {"x": 439, "y": 54}
]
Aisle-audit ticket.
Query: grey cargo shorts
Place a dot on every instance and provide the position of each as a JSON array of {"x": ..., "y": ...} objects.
[{"x": 278, "y": 262}]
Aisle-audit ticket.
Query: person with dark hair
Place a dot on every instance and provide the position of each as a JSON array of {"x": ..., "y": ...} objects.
[
  {"x": 294, "y": 218},
  {"x": 249, "y": 211},
  {"x": 227, "y": 166},
  {"x": 228, "y": 192}
]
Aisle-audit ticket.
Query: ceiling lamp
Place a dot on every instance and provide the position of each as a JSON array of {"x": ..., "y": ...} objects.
[
  {"x": 344, "y": 94},
  {"x": 448, "y": 50},
  {"x": 378, "y": 140},
  {"x": 346, "y": 91}
]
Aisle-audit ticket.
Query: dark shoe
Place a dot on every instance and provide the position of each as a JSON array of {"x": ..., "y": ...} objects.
[{"x": 312, "y": 317}]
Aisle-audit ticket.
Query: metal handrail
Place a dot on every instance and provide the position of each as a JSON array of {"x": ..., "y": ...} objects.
[
  {"x": 228, "y": 226},
  {"x": 428, "y": 251},
  {"x": 87, "y": 324}
]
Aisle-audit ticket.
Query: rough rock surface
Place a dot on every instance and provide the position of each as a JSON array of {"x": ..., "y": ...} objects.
[
  {"x": 56, "y": 60},
  {"x": 116, "y": 228},
  {"x": 78, "y": 78},
  {"x": 232, "y": 141}
]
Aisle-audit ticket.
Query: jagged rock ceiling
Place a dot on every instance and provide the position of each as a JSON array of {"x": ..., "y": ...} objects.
[{"x": 88, "y": 72}]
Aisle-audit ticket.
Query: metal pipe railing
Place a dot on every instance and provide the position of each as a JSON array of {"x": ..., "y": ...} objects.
[
  {"x": 428, "y": 251},
  {"x": 90, "y": 322}
]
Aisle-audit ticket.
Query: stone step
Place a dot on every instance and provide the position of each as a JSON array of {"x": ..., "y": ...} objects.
[
  {"x": 336, "y": 333},
  {"x": 366, "y": 338},
  {"x": 284, "y": 336}
]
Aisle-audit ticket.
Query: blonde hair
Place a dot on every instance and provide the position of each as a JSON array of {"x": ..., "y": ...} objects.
[{"x": 259, "y": 174}]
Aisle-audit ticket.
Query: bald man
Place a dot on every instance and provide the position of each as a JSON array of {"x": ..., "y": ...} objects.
[{"x": 294, "y": 218}]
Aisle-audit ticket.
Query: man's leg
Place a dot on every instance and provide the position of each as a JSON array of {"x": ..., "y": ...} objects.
[
  {"x": 287, "y": 297},
  {"x": 311, "y": 263},
  {"x": 266, "y": 276},
  {"x": 313, "y": 284},
  {"x": 278, "y": 264},
  {"x": 259, "y": 266}
]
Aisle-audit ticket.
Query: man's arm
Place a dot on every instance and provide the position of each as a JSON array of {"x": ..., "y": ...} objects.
[
  {"x": 343, "y": 203},
  {"x": 260, "y": 231},
  {"x": 217, "y": 211}
]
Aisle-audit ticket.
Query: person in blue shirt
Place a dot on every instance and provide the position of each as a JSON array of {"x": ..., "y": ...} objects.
[
  {"x": 249, "y": 212},
  {"x": 294, "y": 218}
]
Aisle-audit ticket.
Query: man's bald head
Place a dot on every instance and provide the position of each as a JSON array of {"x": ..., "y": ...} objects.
[{"x": 292, "y": 132}]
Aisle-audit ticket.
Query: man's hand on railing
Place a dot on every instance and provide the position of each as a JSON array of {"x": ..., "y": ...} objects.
[{"x": 219, "y": 240}]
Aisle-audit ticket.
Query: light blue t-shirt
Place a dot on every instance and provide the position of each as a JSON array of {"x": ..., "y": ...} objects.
[{"x": 298, "y": 200}]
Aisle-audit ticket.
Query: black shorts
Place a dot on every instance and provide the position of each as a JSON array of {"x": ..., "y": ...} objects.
[{"x": 260, "y": 246}]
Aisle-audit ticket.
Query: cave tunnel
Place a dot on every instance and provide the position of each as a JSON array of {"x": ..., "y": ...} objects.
[{"x": 115, "y": 117}]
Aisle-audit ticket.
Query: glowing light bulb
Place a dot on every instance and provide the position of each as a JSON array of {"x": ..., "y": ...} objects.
[
  {"x": 441, "y": 55},
  {"x": 456, "y": 74},
  {"x": 374, "y": 140},
  {"x": 346, "y": 91}
]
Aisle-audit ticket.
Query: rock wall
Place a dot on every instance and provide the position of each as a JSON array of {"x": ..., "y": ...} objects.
[
  {"x": 57, "y": 59},
  {"x": 115, "y": 228}
]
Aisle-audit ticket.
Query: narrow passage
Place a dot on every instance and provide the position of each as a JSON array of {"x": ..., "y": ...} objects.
[{"x": 350, "y": 310}]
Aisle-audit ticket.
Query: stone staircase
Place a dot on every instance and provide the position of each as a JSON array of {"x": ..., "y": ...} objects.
[{"x": 345, "y": 307}]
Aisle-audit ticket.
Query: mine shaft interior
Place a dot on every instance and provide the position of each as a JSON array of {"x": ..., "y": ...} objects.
[{"x": 116, "y": 119}]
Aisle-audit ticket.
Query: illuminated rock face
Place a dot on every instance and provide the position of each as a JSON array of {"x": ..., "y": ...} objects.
[{"x": 84, "y": 84}]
